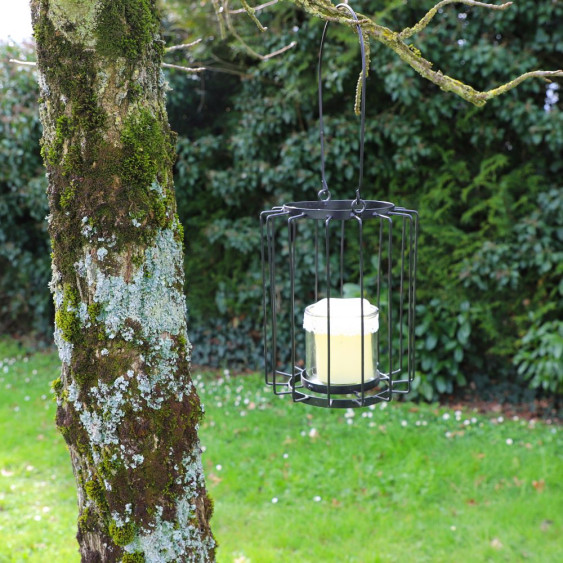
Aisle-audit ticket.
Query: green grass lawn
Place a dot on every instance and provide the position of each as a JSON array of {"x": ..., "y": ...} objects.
[{"x": 291, "y": 483}]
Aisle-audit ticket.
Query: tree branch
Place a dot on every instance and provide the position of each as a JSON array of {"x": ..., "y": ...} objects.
[
  {"x": 325, "y": 10},
  {"x": 255, "y": 8},
  {"x": 190, "y": 69},
  {"x": 410, "y": 31},
  {"x": 183, "y": 46},
  {"x": 195, "y": 70},
  {"x": 250, "y": 11},
  {"x": 23, "y": 63}
]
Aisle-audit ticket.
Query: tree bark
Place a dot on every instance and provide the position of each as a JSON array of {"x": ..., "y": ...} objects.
[{"x": 127, "y": 407}]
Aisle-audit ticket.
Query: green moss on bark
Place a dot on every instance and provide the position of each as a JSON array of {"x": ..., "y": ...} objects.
[
  {"x": 126, "y": 28},
  {"x": 148, "y": 155},
  {"x": 95, "y": 491},
  {"x": 66, "y": 316},
  {"x": 133, "y": 558},
  {"x": 122, "y": 535}
]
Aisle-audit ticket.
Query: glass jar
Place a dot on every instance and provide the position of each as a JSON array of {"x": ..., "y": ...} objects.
[{"x": 345, "y": 341}]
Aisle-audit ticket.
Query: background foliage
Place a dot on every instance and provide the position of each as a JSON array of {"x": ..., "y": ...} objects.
[
  {"x": 24, "y": 248},
  {"x": 486, "y": 181}
]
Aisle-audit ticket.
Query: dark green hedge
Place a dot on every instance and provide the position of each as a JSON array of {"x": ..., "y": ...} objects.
[{"x": 486, "y": 182}]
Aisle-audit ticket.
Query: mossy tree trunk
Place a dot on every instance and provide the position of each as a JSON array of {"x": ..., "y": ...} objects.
[{"x": 126, "y": 405}]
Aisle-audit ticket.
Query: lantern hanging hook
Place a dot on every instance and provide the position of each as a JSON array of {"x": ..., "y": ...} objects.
[{"x": 358, "y": 205}]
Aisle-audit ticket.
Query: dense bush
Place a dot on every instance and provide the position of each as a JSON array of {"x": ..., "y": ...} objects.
[
  {"x": 24, "y": 247},
  {"x": 478, "y": 177},
  {"x": 486, "y": 181}
]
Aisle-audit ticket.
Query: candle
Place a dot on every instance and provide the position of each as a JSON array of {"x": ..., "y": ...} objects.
[{"x": 345, "y": 341}]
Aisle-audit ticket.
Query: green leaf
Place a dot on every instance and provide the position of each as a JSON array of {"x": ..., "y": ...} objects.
[
  {"x": 431, "y": 341},
  {"x": 463, "y": 333}
]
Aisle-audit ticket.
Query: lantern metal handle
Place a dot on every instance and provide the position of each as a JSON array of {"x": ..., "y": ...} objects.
[{"x": 324, "y": 193}]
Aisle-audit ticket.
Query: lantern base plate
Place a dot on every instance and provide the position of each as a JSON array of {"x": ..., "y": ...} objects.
[{"x": 337, "y": 389}]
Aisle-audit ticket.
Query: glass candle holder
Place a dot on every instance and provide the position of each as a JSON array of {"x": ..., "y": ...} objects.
[{"x": 345, "y": 341}]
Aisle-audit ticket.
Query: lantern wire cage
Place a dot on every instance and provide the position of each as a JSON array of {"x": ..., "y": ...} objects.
[{"x": 356, "y": 260}]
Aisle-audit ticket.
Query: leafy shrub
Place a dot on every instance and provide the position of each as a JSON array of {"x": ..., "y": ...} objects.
[
  {"x": 485, "y": 180},
  {"x": 24, "y": 248},
  {"x": 477, "y": 176},
  {"x": 540, "y": 358}
]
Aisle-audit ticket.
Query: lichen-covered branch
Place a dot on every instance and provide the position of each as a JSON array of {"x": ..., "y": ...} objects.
[
  {"x": 255, "y": 8},
  {"x": 250, "y": 11},
  {"x": 394, "y": 40},
  {"x": 184, "y": 46},
  {"x": 410, "y": 31},
  {"x": 191, "y": 69}
]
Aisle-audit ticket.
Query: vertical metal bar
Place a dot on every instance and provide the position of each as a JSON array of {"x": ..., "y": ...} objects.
[
  {"x": 390, "y": 300},
  {"x": 327, "y": 258},
  {"x": 378, "y": 289},
  {"x": 413, "y": 249},
  {"x": 406, "y": 248},
  {"x": 342, "y": 258},
  {"x": 401, "y": 296},
  {"x": 292, "y": 235},
  {"x": 270, "y": 237},
  {"x": 410, "y": 312},
  {"x": 264, "y": 308},
  {"x": 415, "y": 260},
  {"x": 316, "y": 261},
  {"x": 272, "y": 254},
  {"x": 362, "y": 330},
  {"x": 412, "y": 217}
]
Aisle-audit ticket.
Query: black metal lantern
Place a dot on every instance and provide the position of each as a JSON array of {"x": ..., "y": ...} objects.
[{"x": 339, "y": 292}]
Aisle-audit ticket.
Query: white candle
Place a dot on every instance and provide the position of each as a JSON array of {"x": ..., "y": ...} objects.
[{"x": 345, "y": 340}]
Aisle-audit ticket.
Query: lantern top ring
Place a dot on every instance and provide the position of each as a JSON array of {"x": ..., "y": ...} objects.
[
  {"x": 341, "y": 209},
  {"x": 358, "y": 206},
  {"x": 324, "y": 194}
]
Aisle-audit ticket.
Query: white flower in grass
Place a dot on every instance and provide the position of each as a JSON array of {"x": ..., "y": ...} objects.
[
  {"x": 274, "y": 500},
  {"x": 446, "y": 416},
  {"x": 509, "y": 441},
  {"x": 317, "y": 498}
]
